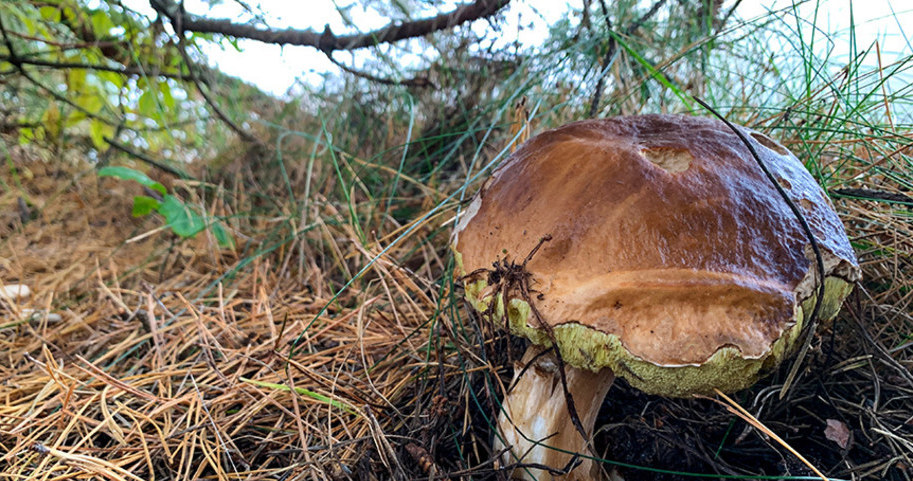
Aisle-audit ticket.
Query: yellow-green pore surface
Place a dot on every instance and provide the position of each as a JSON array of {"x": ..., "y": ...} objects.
[{"x": 584, "y": 347}]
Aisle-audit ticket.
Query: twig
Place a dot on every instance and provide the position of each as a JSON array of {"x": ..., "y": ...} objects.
[
  {"x": 420, "y": 82},
  {"x": 513, "y": 276},
  {"x": 12, "y": 58},
  {"x": 182, "y": 48},
  {"x": 145, "y": 158},
  {"x": 725, "y": 18},
  {"x": 607, "y": 61}
]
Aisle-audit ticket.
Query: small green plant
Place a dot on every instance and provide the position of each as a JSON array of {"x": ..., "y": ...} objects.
[{"x": 181, "y": 218}]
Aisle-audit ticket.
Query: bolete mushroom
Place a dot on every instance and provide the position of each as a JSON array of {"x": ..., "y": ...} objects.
[{"x": 671, "y": 261}]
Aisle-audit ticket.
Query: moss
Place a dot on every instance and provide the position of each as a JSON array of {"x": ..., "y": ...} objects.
[{"x": 726, "y": 369}]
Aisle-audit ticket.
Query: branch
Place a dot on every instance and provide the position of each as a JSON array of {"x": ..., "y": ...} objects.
[
  {"x": 326, "y": 40},
  {"x": 117, "y": 52},
  {"x": 13, "y": 59},
  {"x": 182, "y": 48},
  {"x": 60, "y": 45},
  {"x": 123, "y": 70},
  {"x": 145, "y": 158},
  {"x": 419, "y": 82},
  {"x": 722, "y": 22},
  {"x": 609, "y": 57}
]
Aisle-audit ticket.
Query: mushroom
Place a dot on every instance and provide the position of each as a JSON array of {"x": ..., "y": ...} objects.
[{"x": 651, "y": 248}]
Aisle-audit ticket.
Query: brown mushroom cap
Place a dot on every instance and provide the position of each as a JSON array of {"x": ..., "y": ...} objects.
[{"x": 672, "y": 257}]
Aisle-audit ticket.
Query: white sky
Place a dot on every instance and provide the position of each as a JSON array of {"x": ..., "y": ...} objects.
[{"x": 275, "y": 69}]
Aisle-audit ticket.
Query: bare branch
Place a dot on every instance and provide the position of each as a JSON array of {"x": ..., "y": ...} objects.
[
  {"x": 326, "y": 40},
  {"x": 145, "y": 158},
  {"x": 420, "y": 82},
  {"x": 123, "y": 70},
  {"x": 719, "y": 25}
]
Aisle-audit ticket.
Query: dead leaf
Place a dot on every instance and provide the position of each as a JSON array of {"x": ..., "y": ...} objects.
[
  {"x": 14, "y": 292},
  {"x": 837, "y": 432}
]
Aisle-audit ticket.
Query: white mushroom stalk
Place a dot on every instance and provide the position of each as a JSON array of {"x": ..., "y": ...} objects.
[{"x": 535, "y": 423}]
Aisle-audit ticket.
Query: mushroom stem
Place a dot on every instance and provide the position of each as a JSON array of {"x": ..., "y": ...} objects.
[{"x": 535, "y": 422}]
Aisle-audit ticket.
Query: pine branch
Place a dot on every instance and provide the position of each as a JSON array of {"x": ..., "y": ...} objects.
[{"x": 326, "y": 40}]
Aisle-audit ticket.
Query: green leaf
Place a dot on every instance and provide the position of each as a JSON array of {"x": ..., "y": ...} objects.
[
  {"x": 167, "y": 98},
  {"x": 127, "y": 173},
  {"x": 69, "y": 14},
  {"x": 304, "y": 392},
  {"x": 183, "y": 220},
  {"x": 76, "y": 81},
  {"x": 147, "y": 105},
  {"x": 50, "y": 119},
  {"x": 91, "y": 102},
  {"x": 51, "y": 14},
  {"x": 143, "y": 205},
  {"x": 75, "y": 118},
  {"x": 221, "y": 234},
  {"x": 26, "y": 135},
  {"x": 112, "y": 78},
  {"x": 98, "y": 130},
  {"x": 101, "y": 23}
]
